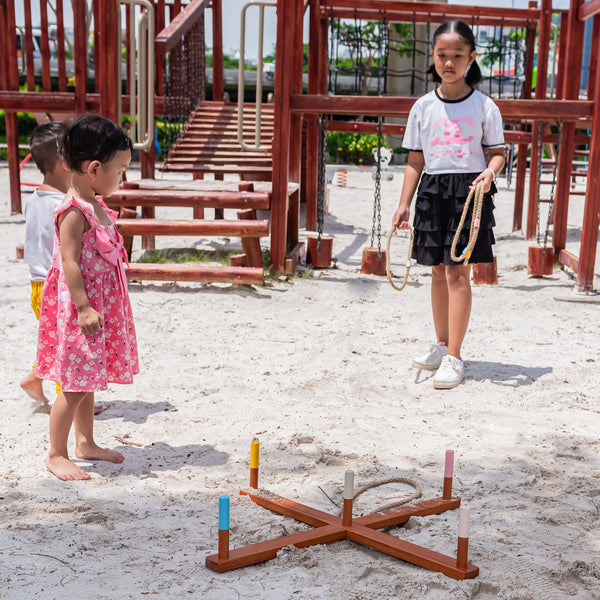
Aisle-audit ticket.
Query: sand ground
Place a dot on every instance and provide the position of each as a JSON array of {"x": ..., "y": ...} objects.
[{"x": 318, "y": 367}]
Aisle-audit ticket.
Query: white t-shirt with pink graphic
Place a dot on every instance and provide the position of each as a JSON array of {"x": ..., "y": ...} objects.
[{"x": 452, "y": 134}]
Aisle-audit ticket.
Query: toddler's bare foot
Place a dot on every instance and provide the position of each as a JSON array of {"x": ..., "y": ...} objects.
[
  {"x": 65, "y": 469},
  {"x": 32, "y": 386},
  {"x": 93, "y": 452},
  {"x": 98, "y": 408}
]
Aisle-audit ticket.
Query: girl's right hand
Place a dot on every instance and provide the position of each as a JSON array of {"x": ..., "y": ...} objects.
[
  {"x": 400, "y": 220},
  {"x": 90, "y": 322}
]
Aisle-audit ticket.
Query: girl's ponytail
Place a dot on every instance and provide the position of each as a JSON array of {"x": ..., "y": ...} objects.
[
  {"x": 473, "y": 75},
  {"x": 434, "y": 74}
]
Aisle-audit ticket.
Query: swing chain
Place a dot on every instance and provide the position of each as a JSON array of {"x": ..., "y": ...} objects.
[
  {"x": 377, "y": 202},
  {"x": 321, "y": 175},
  {"x": 540, "y": 154},
  {"x": 553, "y": 187}
]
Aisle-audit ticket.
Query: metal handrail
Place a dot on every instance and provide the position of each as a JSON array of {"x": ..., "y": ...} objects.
[
  {"x": 141, "y": 85},
  {"x": 259, "y": 74}
]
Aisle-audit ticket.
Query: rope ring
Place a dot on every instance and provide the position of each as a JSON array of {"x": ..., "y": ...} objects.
[
  {"x": 388, "y": 270},
  {"x": 476, "y": 193}
]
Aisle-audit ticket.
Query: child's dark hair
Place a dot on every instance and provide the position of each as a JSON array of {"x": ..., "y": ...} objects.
[
  {"x": 44, "y": 143},
  {"x": 473, "y": 75},
  {"x": 91, "y": 137}
]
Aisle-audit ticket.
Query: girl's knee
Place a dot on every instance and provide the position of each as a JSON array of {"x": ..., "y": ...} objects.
[{"x": 458, "y": 276}]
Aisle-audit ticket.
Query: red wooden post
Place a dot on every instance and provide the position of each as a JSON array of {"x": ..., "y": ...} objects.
[
  {"x": 11, "y": 82},
  {"x": 60, "y": 42},
  {"x": 108, "y": 71},
  {"x": 593, "y": 72},
  {"x": 286, "y": 22},
  {"x": 44, "y": 47},
  {"x": 570, "y": 91},
  {"x": 522, "y": 148},
  {"x": 448, "y": 475},
  {"x": 462, "y": 553},
  {"x": 589, "y": 228},
  {"x": 348, "y": 498},
  {"x": 541, "y": 85},
  {"x": 312, "y": 129},
  {"x": 29, "y": 47},
  {"x": 80, "y": 44},
  {"x": 217, "y": 52},
  {"x": 562, "y": 54},
  {"x": 254, "y": 456}
]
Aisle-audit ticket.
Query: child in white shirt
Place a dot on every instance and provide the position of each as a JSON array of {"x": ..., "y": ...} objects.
[{"x": 39, "y": 224}]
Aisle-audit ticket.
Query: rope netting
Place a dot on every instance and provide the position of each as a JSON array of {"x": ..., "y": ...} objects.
[
  {"x": 365, "y": 57},
  {"x": 185, "y": 85}
]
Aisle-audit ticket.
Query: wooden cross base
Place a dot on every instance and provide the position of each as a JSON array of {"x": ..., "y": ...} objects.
[{"x": 363, "y": 530}]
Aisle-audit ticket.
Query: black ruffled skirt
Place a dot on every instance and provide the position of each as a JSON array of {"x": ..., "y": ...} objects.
[{"x": 438, "y": 209}]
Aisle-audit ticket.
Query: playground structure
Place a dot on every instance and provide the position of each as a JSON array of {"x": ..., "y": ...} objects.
[
  {"x": 362, "y": 530},
  {"x": 165, "y": 83}
]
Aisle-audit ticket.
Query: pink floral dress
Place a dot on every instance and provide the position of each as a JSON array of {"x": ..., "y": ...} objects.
[{"x": 79, "y": 362}]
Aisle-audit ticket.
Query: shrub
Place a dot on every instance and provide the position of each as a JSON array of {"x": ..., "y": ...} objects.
[{"x": 352, "y": 148}]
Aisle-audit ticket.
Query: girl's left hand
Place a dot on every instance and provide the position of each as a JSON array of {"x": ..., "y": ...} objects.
[{"x": 484, "y": 176}]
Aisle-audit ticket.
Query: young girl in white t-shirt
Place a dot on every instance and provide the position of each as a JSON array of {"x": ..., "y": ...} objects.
[{"x": 446, "y": 133}]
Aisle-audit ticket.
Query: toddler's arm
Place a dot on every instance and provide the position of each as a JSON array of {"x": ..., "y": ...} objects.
[
  {"x": 412, "y": 174},
  {"x": 72, "y": 225}
]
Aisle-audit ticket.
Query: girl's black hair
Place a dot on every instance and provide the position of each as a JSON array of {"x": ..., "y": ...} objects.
[
  {"x": 91, "y": 137},
  {"x": 473, "y": 75}
]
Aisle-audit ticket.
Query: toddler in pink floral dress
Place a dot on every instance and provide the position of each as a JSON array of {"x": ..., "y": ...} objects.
[{"x": 86, "y": 334}]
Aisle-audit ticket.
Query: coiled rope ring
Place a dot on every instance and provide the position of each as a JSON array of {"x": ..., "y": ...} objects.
[
  {"x": 388, "y": 270},
  {"x": 477, "y": 193}
]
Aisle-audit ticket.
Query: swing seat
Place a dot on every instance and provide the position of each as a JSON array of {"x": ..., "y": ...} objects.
[
  {"x": 374, "y": 262},
  {"x": 319, "y": 256},
  {"x": 485, "y": 273},
  {"x": 541, "y": 261}
]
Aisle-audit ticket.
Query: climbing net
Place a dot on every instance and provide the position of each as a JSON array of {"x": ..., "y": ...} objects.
[{"x": 362, "y": 61}]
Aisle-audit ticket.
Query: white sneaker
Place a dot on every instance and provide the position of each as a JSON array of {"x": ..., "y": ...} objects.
[
  {"x": 450, "y": 373},
  {"x": 430, "y": 361}
]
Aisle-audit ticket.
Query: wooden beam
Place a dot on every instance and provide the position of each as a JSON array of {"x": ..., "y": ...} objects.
[
  {"x": 220, "y": 227},
  {"x": 588, "y": 10},
  {"x": 564, "y": 110},
  {"x": 201, "y": 273},
  {"x": 171, "y": 35},
  {"x": 208, "y": 199}
]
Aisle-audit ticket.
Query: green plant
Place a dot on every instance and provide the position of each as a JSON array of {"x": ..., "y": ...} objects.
[{"x": 352, "y": 148}]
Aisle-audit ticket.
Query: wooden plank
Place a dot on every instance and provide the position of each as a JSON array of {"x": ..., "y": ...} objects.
[
  {"x": 193, "y": 228},
  {"x": 171, "y": 35},
  {"x": 194, "y": 168},
  {"x": 199, "y": 273},
  {"x": 588, "y": 10},
  {"x": 569, "y": 260},
  {"x": 295, "y": 510},
  {"x": 255, "y": 553},
  {"x": 250, "y": 245},
  {"x": 409, "y": 552},
  {"x": 208, "y": 199},
  {"x": 401, "y": 514},
  {"x": 565, "y": 110}
]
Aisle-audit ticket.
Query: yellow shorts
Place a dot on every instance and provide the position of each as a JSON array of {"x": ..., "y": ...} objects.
[
  {"x": 36, "y": 304},
  {"x": 36, "y": 297}
]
